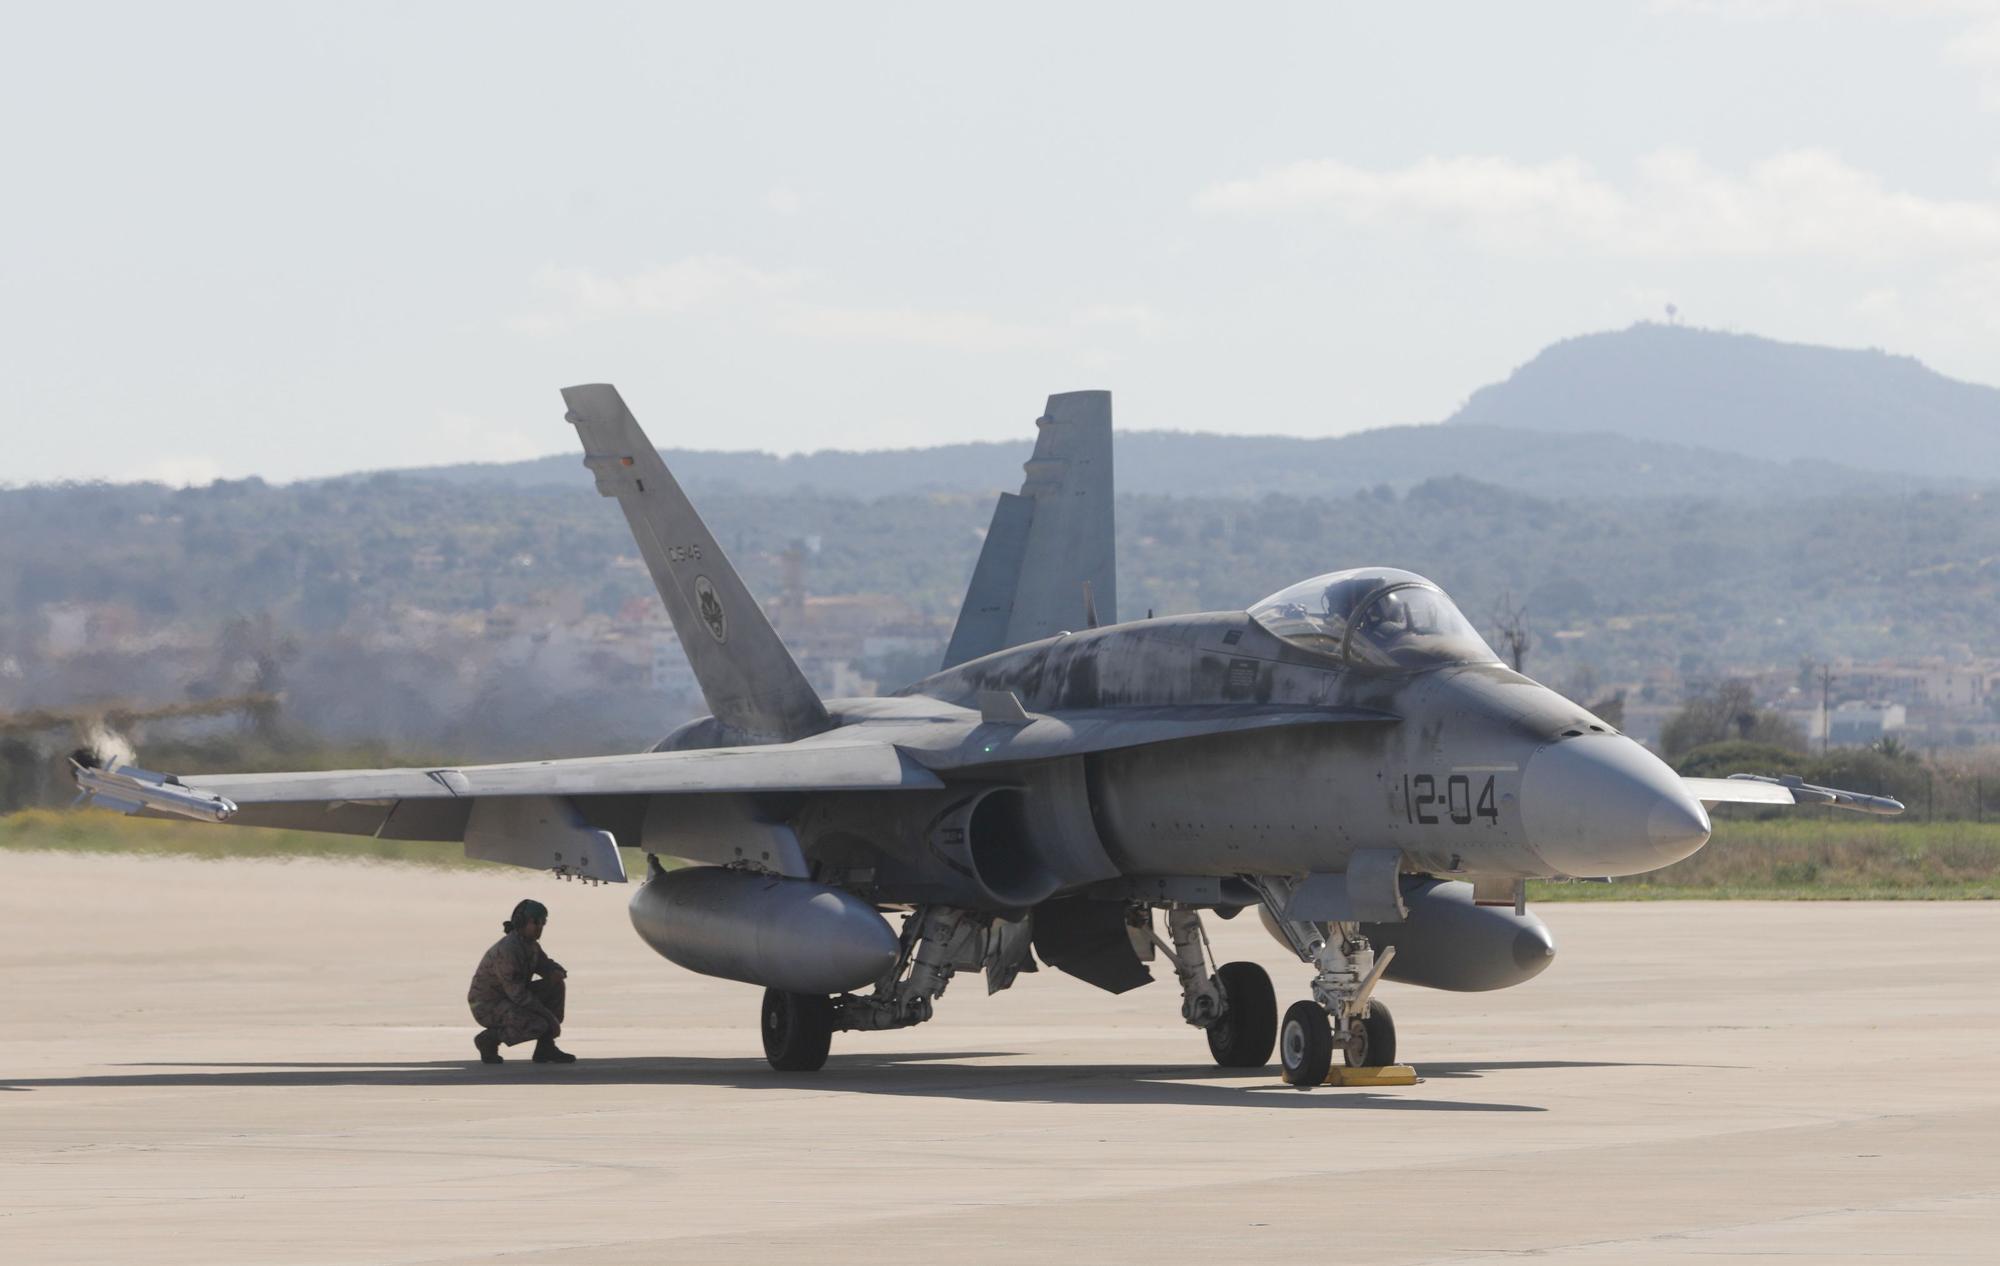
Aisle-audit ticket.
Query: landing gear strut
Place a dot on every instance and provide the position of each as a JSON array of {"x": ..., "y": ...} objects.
[
  {"x": 1235, "y": 1004},
  {"x": 798, "y": 1028},
  {"x": 1341, "y": 1014}
]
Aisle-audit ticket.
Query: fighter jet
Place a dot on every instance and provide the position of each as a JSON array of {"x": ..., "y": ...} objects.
[{"x": 1347, "y": 757}]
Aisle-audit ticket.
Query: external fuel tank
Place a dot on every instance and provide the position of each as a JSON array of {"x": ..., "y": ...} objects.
[{"x": 762, "y": 929}]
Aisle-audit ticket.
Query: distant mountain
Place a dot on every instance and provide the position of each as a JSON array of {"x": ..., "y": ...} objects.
[
  {"x": 1176, "y": 463},
  {"x": 1741, "y": 394}
]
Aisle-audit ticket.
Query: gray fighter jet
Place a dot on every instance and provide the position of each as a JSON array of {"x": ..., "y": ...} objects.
[{"x": 1347, "y": 756}]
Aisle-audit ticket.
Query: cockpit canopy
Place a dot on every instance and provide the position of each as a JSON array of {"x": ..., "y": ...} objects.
[{"x": 1374, "y": 617}]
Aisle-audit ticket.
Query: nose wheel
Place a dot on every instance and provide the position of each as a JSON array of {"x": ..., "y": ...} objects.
[
  {"x": 1371, "y": 1042},
  {"x": 1306, "y": 1045}
]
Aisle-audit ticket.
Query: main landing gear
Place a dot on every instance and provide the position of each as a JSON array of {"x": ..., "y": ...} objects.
[
  {"x": 798, "y": 1028},
  {"x": 1235, "y": 1004}
]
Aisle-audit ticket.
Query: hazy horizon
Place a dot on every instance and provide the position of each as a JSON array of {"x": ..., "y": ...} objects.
[
  {"x": 297, "y": 242},
  {"x": 1023, "y": 437}
]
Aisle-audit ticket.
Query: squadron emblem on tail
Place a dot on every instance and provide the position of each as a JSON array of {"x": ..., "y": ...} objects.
[{"x": 711, "y": 609}]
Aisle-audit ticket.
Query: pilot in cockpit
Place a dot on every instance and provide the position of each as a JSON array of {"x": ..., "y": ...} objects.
[{"x": 1374, "y": 618}]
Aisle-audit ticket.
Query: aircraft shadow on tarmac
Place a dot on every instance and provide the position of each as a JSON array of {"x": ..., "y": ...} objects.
[{"x": 932, "y": 1074}]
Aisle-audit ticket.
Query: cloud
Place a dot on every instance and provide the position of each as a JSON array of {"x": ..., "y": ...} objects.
[
  {"x": 1768, "y": 10},
  {"x": 1801, "y": 203},
  {"x": 468, "y": 439},
  {"x": 1978, "y": 49},
  {"x": 686, "y": 285},
  {"x": 1975, "y": 46},
  {"x": 185, "y": 470},
  {"x": 1136, "y": 318},
  {"x": 1880, "y": 307},
  {"x": 927, "y": 327},
  {"x": 708, "y": 285},
  {"x": 964, "y": 329}
]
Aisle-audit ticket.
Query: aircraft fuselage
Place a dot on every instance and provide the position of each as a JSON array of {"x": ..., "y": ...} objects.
[{"x": 1476, "y": 770}]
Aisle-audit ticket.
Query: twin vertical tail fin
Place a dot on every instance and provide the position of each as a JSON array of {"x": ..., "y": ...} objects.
[
  {"x": 1049, "y": 562},
  {"x": 750, "y": 680}
]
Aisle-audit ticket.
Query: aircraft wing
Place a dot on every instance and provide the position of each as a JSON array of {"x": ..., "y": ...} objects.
[
  {"x": 821, "y": 767},
  {"x": 1790, "y": 789},
  {"x": 543, "y": 814}
]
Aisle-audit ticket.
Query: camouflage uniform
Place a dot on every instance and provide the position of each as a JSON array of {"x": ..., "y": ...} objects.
[{"x": 505, "y": 996}]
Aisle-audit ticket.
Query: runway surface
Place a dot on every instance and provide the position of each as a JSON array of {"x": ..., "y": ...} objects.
[{"x": 263, "y": 1061}]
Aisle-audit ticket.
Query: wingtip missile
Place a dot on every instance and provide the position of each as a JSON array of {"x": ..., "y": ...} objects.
[
  {"x": 129, "y": 789},
  {"x": 1804, "y": 792}
]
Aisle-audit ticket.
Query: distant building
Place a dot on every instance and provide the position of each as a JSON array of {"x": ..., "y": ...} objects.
[
  {"x": 835, "y": 677},
  {"x": 1961, "y": 687},
  {"x": 672, "y": 674},
  {"x": 1862, "y": 724}
]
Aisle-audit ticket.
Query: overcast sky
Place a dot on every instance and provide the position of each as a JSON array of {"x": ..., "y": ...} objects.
[{"x": 293, "y": 241}]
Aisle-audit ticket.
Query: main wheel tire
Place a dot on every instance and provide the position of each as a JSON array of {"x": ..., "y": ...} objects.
[
  {"x": 798, "y": 1030},
  {"x": 1243, "y": 1037},
  {"x": 1305, "y": 1045},
  {"x": 1372, "y": 1043}
]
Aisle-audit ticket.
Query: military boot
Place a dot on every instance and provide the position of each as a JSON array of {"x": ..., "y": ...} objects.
[
  {"x": 488, "y": 1042},
  {"x": 547, "y": 1052}
]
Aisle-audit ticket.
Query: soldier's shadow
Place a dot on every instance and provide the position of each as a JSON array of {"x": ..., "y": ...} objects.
[{"x": 941, "y": 1075}]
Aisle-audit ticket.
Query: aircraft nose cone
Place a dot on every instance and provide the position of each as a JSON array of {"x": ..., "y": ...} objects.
[
  {"x": 1603, "y": 805},
  {"x": 1678, "y": 824}
]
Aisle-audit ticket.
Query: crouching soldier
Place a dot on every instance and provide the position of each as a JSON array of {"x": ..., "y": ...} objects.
[{"x": 506, "y": 998}]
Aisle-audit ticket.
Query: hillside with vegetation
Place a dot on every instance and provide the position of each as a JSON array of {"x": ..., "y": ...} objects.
[
  {"x": 1867, "y": 410},
  {"x": 1172, "y": 463},
  {"x": 1688, "y": 587}
]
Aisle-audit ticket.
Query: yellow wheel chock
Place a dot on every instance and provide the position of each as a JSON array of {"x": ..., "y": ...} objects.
[{"x": 1382, "y": 1075}]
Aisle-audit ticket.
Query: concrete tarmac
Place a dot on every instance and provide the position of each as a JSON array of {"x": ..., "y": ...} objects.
[{"x": 265, "y": 1061}]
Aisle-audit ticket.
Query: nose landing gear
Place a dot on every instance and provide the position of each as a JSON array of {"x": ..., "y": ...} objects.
[
  {"x": 1306, "y": 1045},
  {"x": 1341, "y": 1015}
]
